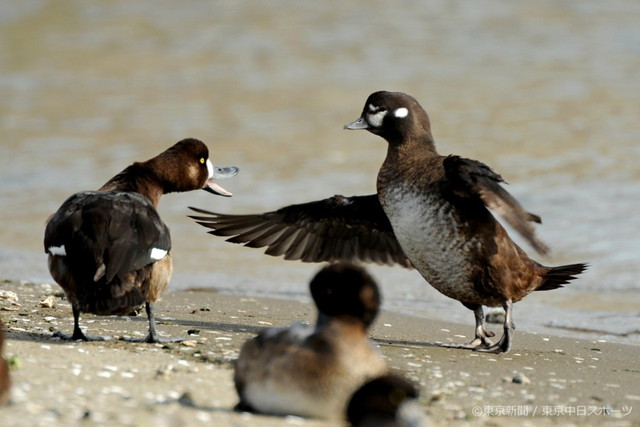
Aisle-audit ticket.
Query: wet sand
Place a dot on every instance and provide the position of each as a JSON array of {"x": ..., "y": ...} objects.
[{"x": 545, "y": 380}]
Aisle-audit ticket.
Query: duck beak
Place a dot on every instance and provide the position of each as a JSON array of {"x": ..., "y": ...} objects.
[
  {"x": 220, "y": 173},
  {"x": 361, "y": 123}
]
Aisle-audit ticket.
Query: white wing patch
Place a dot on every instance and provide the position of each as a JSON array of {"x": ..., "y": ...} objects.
[
  {"x": 57, "y": 250},
  {"x": 157, "y": 254},
  {"x": 401, "y": 112},
  {"x": 99, "y": 272}
]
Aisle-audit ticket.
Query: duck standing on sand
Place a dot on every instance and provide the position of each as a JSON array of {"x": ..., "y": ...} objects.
[
  {"x": 430, "y": 211},
  {"x": 313, "y": 371},
  {"x": 109, "y": 250}
]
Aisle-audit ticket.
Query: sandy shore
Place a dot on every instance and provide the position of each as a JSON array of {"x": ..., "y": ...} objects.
[{"x": 545, "y": 380}]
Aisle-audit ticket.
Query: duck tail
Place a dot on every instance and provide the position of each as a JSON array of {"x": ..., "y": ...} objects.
[{"x": 556, "y": 277}]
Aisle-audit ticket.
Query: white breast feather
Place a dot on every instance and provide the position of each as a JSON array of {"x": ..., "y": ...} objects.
[{"x": 274, "y": 397}]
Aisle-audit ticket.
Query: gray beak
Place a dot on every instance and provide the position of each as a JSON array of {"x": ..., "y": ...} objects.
[
  {"x": 361, "y": 123},
  {"x": 220, "y": 173},
  {"x": 224, "y": 173}
]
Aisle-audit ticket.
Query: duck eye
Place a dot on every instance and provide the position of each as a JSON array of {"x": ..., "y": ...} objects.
[{"x": 202, "y": 160}]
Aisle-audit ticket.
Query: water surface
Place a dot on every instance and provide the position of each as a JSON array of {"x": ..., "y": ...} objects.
[{"x": 547, "y": 93}]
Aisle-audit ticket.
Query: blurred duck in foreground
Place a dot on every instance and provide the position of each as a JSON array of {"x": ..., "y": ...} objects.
[
  {"x": 313, "y": 371},
  {"x": 109, "y": 250},
  {"x": 386, "y": 401}
]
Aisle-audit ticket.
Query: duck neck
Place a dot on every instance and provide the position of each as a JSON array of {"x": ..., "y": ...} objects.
[
  {"x": 138, "y": 178},
  {"x": 325, "y": 321},
  {"x": 406, "y": 160},
  {"x": 413, "y": 147}
]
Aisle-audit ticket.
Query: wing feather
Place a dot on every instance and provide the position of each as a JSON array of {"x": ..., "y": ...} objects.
[
  {"x": 114, "y": 231},
  {"x": 476, "y": 178},
  {"x": 337, "y": 228}
]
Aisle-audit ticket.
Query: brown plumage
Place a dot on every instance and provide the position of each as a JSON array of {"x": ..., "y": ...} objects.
[
  {"x": 433, "y": 212},
  {"x": 109, "y": 250},
  {"x": 386, "y": 401},
  {"x": 5, "y": 380},
  {"x": 338, "y": 228}
]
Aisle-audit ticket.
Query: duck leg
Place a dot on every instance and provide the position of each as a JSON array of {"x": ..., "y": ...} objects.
[
  {"x": 77, "y": 332},
  {"x": 152, "y": 336},
  {"x": 481, "y": 340},
  {"x": 504, "y": 345},
  {"x": 482, "y": 334}
]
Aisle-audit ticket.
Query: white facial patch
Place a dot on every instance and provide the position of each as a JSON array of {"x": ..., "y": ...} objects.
[
  {"x": 156, "y": 253},
  {"x": 209, "y": 169},
  {"x": 57, "y": 250},
  {"x": 376, "y": 119},
  {"x": 401, "y": 112},
  {"x": 373, "y": 108}
]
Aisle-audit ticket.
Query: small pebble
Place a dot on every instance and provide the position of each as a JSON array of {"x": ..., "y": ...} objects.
[
  {"x": 14, "y": 362},
  {"x": 8, "y": 295},
  {"x": 48, "y": 302},
  {"x": 186, "y": 399},
  {"x": 520, "y": 378},
  {"x": 203, "y": 417}
]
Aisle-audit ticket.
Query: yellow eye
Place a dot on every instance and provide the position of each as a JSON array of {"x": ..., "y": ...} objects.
[{"x": 202, "y": 160}]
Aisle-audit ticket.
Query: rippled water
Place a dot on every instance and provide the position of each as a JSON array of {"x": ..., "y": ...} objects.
[{"x": 546, "y": 92}]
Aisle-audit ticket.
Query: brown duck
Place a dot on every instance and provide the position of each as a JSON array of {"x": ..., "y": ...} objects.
[
  {"x": 313, "y": 371},
  {"x": 109, "y": 250},
  {"x": 430, "y": 212}
]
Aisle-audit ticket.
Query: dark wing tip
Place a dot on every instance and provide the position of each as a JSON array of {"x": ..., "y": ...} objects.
[
  {"x": 534, "y": 218},
  {"x": 337, "y": 228}
]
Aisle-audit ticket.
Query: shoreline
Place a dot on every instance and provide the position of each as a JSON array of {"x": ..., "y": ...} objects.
[
  {"x": 568, "y": 312},
  {"x": 545, "y": 380}
]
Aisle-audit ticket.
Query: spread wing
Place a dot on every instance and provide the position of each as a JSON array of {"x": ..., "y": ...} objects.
[
  {"x": 337, "y": 228},
  {"x": 476, "y": 178},
  {"x": 107, "y": 233}
]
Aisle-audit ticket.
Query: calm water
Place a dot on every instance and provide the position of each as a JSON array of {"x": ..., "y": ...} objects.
[{"x": 548, "y": 94}]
